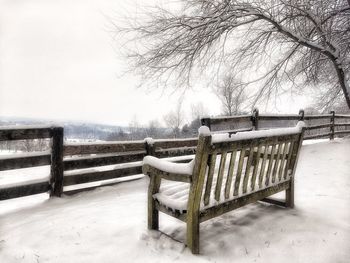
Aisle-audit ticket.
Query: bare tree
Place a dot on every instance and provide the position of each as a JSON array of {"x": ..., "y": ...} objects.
[
  {"x": 198, "y": 110},
  {"x": 175, "y": 119},
  {"x": 153, "y": 129},
  {"x": 304, "y": 42},
  {"x": 311, "y": 110},
  {"x": 134, "y": 128},
  {"x": 231, "y": 93}
]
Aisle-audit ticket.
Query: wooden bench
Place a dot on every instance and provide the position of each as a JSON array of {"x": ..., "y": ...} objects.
[{"x": 226, "y": 173}]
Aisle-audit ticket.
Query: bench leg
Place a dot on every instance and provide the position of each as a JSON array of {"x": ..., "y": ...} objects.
[
  {"x": 153, "y": 213},
  {"x": 290, "y": 194},
  {"x": 193, "y": 234},
  {"x": 273, "y": 201},
  {"x": 153, "y": 217}
]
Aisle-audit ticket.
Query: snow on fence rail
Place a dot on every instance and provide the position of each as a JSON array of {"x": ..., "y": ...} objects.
[
  {"x": 79, "y": 164},
  {"x": 318, "y": 126}
]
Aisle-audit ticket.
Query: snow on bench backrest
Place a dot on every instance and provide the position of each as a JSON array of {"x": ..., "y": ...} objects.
[{"x": 248, "y": 161}]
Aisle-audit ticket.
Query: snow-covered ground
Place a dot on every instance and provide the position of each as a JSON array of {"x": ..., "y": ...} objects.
[{"x": 109, "y": 224}]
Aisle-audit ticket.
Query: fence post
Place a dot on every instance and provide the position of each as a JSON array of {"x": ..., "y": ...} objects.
[
  {"x": 149, "y": 145},
  {"x": 301, "y": 115},
  {"x": 255, "y": 119},
  {"x": 331, "y": 135},
  {"x": 56, "y": 180},
  {"x": 206, "y": 122}
]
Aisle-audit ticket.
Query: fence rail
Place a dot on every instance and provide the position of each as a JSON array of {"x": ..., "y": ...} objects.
[
  {"x": 18, "y": 161},
  {"x": 125, "y": 157},
  {"x": 317, "y": 125},
  {"x": 77, "y": 164}
]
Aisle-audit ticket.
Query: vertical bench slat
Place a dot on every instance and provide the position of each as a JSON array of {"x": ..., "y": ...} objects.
[
  {"x": 230, "y": 174},
  {"x": 263, "y": 165},
  {"x": 281, "y": 169},
  {"x": 290, "y": 152},
  {"x": 239, "y": 171},
  {"x": 277, "y": 161},
  {"x": 256, "y": 167},
  {"x": 220, "y": 176},
  {"x": 269, "y": 168},
  {"x": 247, "y": 170},
  {"x": 207, "y": 191}
]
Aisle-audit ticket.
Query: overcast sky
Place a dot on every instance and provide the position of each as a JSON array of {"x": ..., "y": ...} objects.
[{"x": 57, "y": 61}]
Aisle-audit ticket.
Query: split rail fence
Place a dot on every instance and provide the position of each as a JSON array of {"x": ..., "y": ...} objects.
[{"x": 79, "y": 164}]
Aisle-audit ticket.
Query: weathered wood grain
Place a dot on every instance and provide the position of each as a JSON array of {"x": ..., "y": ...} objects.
[
  {"x": 269, "y": 167},
  {"x": 342, "y": 116},
  {"x": 24, "y": 161},
  {"x": 256, "y": 166},
  {"x": 290, "y": 153},
  {"x": 174, "y": 152},
  {"x": 100, "y": 148},
  {"x": 247, "y": 170},
  {"x": 147, "y": 169},
  {"x": 174, "y": 213},
  {"x": 239, "y": 172},
  {"x": 88, "y": 177},
  {"x": 166, "y": 144},
  {"x": 320, "y": 126},
  {"x": 283, "y": 160},
  {"x": 276, "y": 163},
  {"x": 195, "y": 195},
  {"x": 331, "y": 128},
  {"x": 13, "y": 133},
  {"x": 342, "y": 132},
  {"x": 273, "y": 201},
  {"x": 24, "y": 190},
  {"x": 263, "y": 164},
  {"x": 230, "y": 173},
  {"x": 92, "y": 161},
  {"x": 228, "y": 145},
  {"x": 317, "y": 136},
  {"x": 220, "y": 176},
  {"x": 56, "y": 179},
  {"x": 207, "y": 191},
  {"x": 153, "y": 214},
  {"x": 241, "y": 201},
  {"x": 341, "y": 124}
]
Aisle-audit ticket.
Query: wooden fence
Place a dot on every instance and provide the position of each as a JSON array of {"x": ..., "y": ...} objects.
[
  {"x": 124, "y": 157},
  {"x": 317, "y": 126},
  {"x": 78, "y": 164},
  {"x": 54, "y": 157}
]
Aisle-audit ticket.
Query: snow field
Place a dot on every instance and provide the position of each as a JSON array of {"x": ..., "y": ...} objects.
[{"x": 109, "y": 224}]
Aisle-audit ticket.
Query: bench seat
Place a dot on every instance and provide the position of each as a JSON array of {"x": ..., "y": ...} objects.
[{"x": 174, "y": 195}]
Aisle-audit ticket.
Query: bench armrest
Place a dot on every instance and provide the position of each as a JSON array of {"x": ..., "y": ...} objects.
[
  {"x": 152, "y": 171},
  {"x": 153, "y": 166}
]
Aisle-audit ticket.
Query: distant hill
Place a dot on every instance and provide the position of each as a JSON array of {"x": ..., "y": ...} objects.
[
  {"x": 73, "y": 130},
  {"x": 91, "y": 131}
]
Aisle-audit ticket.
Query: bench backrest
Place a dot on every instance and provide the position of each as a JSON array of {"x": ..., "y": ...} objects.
[{"x": 227, "y": 168}]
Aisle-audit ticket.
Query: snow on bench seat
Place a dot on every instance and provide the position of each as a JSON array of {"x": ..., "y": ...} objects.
[{"x": 174, "y": 195}]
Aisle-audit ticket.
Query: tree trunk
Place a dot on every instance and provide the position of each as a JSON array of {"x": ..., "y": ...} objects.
[{"x": 343, "y": 81}]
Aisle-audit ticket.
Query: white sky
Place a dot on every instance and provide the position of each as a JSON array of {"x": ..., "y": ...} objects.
[{"x": 57, "y": 62}]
